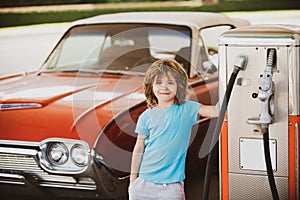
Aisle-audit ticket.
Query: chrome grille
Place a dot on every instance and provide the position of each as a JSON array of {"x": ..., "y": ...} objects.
[
  {"x": 20, "y": 163},
  {"x": 26, "y": 163}
]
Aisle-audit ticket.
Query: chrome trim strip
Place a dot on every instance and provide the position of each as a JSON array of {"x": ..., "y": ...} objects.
[
  {"x": 19, "y": 143},
  {"x": 12, "y": 106},
  {"x": 12, "y": 182},
  {"x": 18, "y": 151},
  {"x": 297, "y": 158},
  {"x": 15, "y": 176},
  {"x": 294, "y": 80},
  {"x": 19, "y": 180},
  {"x": 57, "y": 178},
  {"x": 76, "y": 186}
]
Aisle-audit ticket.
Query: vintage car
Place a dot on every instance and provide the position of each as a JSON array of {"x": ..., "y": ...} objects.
[{"x": 68, "y": 129}]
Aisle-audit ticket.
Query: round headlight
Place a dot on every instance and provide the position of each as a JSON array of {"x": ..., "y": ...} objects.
[
  {"x": 58, "y": 153},
  {"x": 79, "y": 154}
]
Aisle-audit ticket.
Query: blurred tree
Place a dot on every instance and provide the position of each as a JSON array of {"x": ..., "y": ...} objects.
[{"x": 14, "y": 3}]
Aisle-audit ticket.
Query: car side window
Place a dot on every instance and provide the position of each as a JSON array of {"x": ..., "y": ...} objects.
[
  {"x": 208, "y": 48},
  {"x": 210, "y": 37}
]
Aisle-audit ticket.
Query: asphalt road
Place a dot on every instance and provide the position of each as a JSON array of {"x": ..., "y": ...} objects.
[{"x": 25, "y": 48}]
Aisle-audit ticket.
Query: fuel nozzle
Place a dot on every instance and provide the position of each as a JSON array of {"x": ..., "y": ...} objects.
[
  {"x": 265, "y": 93},
  {"x": 241, "y": 61}
]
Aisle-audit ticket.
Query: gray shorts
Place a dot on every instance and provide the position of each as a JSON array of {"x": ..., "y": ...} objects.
[{"x": 143, "y": 190}]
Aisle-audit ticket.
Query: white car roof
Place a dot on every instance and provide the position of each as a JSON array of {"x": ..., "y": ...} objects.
[{"x": 196, "y": 19}]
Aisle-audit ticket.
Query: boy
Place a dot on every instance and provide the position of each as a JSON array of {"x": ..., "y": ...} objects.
[{"x": 158, "y": 161}]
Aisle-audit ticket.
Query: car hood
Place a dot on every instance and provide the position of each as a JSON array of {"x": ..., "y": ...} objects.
[
  {"x": 36, "y": 107},
  {"x": 48, "y": 88}
]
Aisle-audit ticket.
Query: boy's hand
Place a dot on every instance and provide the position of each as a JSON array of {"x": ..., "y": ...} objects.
[{"x": 209, "y": 111}]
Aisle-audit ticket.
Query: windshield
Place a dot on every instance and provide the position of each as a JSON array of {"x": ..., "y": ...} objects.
[{"x": 117, "y": 47}]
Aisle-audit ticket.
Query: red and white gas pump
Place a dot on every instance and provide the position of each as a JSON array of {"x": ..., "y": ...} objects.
[{"x": 264, "y": 106}]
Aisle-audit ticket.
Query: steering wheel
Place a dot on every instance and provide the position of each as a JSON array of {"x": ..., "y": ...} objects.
[{"x": 145, "y": 60}]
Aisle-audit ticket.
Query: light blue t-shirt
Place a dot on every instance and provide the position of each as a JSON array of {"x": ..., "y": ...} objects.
[{"x": 168, "y": 135}]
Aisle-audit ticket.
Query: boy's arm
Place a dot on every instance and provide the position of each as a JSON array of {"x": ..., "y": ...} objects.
[
  {"x": 209, "y": 111},
  {"x": 137, "y": 156}
]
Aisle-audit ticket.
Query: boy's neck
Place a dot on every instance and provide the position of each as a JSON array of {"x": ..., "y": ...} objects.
[{"x": 163, "y": 105}]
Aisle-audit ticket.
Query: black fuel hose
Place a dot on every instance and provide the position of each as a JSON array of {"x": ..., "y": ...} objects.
[
  {"x": 216, "y": 134},
  {"x": 269, "y": 164}
]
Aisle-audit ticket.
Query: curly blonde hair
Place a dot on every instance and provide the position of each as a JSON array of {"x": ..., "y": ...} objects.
[{"x": 165, "y": 67}]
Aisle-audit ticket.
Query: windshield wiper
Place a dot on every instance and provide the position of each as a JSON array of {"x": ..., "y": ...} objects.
[
  {"x": 91, "y": 71},
  {"x": 66, "y": 70},
  {"x": 121, "y": 72}
]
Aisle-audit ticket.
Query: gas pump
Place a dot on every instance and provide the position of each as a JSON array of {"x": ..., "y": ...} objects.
[{"x": 259, "y": 142}]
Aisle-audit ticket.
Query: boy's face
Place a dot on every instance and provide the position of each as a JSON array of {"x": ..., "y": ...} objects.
[{"x": 165, "y": 89}]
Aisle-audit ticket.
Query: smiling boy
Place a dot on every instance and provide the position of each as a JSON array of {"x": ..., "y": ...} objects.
[{"x": 158, "y": 162}]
